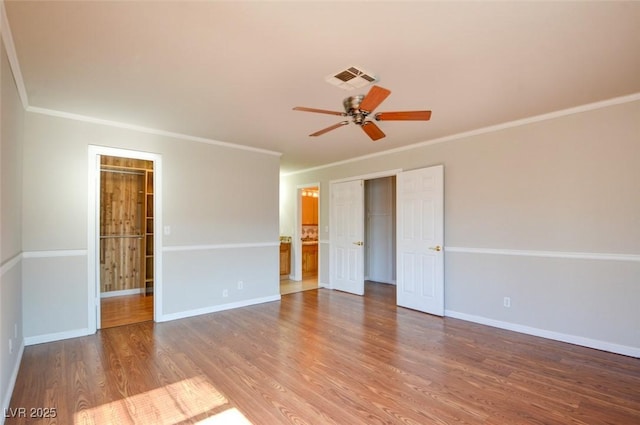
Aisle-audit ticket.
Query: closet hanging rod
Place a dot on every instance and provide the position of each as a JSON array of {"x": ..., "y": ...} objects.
[
  {"x": 138, "y": 173},
  {"x": 120, "y": 236}
]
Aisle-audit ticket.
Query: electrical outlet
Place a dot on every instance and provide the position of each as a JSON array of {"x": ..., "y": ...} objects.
[
  {"x": 240, "y": 284},
  {"x": 10, "y": 346},
  {"x": 225, "y": 292},
  {"x": 507, "y": 302}
]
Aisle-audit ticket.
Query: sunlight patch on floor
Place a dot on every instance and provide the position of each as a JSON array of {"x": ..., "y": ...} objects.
[
  {"x": 228, "y": 417},
  {"x": 171, "y": 404}
]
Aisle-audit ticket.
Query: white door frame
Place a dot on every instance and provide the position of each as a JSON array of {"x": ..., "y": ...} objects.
[
  {"x": 93, "y": 229},
  {"x": 370, "y": 177},
  {"x": 364, "y": 177}
]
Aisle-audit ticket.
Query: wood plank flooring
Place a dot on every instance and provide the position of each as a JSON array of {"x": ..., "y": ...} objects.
[
  {"x": 125, "y": 310},
  {"x": 288, "y": 286},
  {"x": 324, "y": 357}
]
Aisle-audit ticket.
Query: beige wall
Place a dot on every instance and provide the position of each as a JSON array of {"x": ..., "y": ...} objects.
[
  {"x": 518, "y": 202},
  {"x": 214, "y": 198},
  {"x": 11, "y": 121}
]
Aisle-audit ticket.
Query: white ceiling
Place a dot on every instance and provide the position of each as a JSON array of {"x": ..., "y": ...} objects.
[{"x": 232, "y": 71}]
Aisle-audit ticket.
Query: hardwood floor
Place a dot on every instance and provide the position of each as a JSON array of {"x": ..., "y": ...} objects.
[
  {"x": 324, "y": 357},
  {"x": 125, "y": 310},
  {"x": 290, "y": 286}
]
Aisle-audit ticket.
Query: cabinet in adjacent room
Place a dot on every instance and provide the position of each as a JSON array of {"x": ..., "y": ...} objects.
[
  {"x": 285, "y": 259},
  {"x": 309, "y": 259}
]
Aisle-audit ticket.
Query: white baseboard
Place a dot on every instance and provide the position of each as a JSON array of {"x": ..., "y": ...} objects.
[
  {"x": 557, "y": 336},
  {"x": 134, "y": 291},
  {"x": 216, "y": 308},
  {"x": 12, "y": 383},
  {"x": 58, "y": 336}
]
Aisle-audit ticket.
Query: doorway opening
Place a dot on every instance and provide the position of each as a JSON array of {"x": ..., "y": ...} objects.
[
  {"x": 380, "y": 232},
  {"x": 306, "y": 252},
  {"x": 419, "y": 260},
  {"x": 126, "y": 240}
]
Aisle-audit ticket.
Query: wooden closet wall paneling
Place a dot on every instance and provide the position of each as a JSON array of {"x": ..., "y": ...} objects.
[
  {"x": 124, "y": 215},
  {"x": 120, "y": 220}
]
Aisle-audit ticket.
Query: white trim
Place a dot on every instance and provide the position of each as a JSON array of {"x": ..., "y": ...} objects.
[
  {"x": 216, "y": 308},
  {"x": 362, "y": 178},
  {"x": 111, "y": 294},
  {"x": 132, "y": 153},
  {"x": 512, "y": 252},
  {"x": 219, "y": 246},
  {"x": 17, "y": 73},
  {"x": 547, "y": 254},
  {"x": 370, "y": 176},
  {"x": 148, "y": 130},
  {"x": 56, "y": 253},
  {"x": 58, "y": 336},
  {"x": 93, "y": 238},
  {"x": 22, "y": 91},
  {"x": 10, "y": 263},
  {"x": 303, "y": 186},
  {"x": 93, "y": 209},
  {"x": 516, "y": 123},
  {"x": 10, "y": 47},
  {"x": 158, "y": 241},
  {"x": 557, "y": 336},
  {"x": 12, "y": 382}
]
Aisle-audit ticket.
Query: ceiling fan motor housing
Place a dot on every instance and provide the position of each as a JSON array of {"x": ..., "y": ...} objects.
[{"x": 352, "y": 108}]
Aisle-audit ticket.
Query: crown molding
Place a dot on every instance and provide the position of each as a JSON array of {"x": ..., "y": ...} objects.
[
  {"x": 17, "y": 74},
  {"x": 484, "y": 130},
  {"x": 147, "y": 130},
  {"x": 9, "y": 46},
  {"x": 7, "y": 38}
]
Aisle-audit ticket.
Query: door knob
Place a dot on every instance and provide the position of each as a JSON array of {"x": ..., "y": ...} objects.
[
  {"x": 359, "y": 243},
  {"x": 436, "y": 248}
]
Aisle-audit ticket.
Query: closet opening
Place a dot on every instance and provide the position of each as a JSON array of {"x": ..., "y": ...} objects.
[{"x": 126, "y": 241}]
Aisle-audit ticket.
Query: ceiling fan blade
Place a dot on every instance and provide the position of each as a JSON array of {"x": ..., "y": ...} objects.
[
  {"x": 372, "y": 130},
  {"x": 374, "y": 98},
  {"x": 404, "y": 116},
  {"x": 320, "y": 111},
  {"x": 328, "y": 129}
]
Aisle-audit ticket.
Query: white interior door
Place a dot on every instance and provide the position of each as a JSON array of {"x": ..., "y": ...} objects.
[
  {"x": 420, "y": 239},
  {"x": 347, "y": 236}
]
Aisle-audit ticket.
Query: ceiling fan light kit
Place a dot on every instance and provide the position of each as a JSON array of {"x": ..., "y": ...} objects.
[{"x": 360, "y": 107}]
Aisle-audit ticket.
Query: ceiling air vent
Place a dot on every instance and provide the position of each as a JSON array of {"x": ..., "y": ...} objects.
[{"x": 351, "y": 78}]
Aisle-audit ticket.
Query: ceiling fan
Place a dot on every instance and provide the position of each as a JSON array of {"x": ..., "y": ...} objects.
[{"x": 361, "y": 106}]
